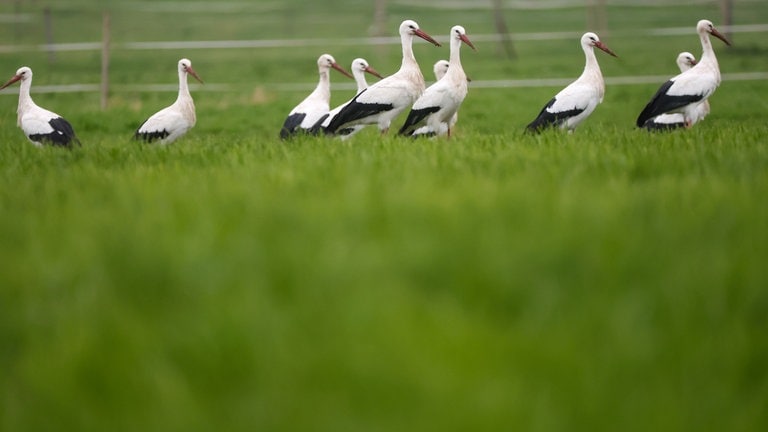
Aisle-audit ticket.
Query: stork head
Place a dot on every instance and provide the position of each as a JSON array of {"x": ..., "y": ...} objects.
[
  {"x": 410, "y": 28},
  {"x": 458, "y": 33},
  {"x": 706, "y": 26},
  {"x": 326, "y": 62},
  {"x": 440, "y": 68},
  {"x": 24, "y": 73},
  {"x": 185, "y": 65},
  {"x": 685, "y": 61},
  {"x": 359, "y": 64},
  {"x": 590, "y": 39}
]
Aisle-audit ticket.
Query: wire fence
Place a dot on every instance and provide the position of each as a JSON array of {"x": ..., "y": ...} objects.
[{"x": 106, "y": 46}]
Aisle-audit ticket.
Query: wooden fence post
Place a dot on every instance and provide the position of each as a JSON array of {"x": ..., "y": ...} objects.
[
  {"x": 105, "y": 39},
  {"x": 48, "y": 22},
  {"x": 379, "y": 28},
  {"x": 17, "y": 20},
  {"x": 597, "y": 17},
  {"x": 726, "y": 7},
  {"x": 501, "y": 28}
]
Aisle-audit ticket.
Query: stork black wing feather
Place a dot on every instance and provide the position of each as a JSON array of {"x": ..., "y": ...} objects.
[
  {"x": 662, "y": 103},
  {"x": 414, "y": 117},
  {"x": 653, "y": 126},
  {"x": 63, "y": 134},
  {"x": 547, "y": 119},
  {"x": 148, "y": 137},
  {"x": 355, "y": 110},
  {"x": 318, "y": 126},
  {"x": 291, "y": 124}
]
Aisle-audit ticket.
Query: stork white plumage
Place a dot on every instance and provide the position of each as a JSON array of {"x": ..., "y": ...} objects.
[
  {"x": 170, "y": 123},
  {"x": 359, "y": 68},
  {"x": 442, "y": 99},
  {"x": 317, "y": 104},
  {"x": 38, "y": 124},
  {"x": 685, "y": 61},
  {"x": 684, "y": 92},
  {"x": 573, "y": 104},
  {"x": 384, "y": 100},
  {"x": 439, "y": 68}
]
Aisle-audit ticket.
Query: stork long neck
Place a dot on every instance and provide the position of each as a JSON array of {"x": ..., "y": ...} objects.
[
  {"x": 455, "y": 57},
  {"x": 360, "y": 80},
  {"x": 184, "y": 100},
  {"x": 707, "y": 54},
  {"x": 409, "y": 68},
  {"x": 323, "y": 89},
  {"x": 25, "y": 99},
  {"x": 409, "y": 61},
  {"x": 591, "y": 67},
  {"x": 183, "y": 86}
]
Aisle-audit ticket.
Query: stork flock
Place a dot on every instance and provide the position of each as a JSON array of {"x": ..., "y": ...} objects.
[{"x": 679, "y": 102}]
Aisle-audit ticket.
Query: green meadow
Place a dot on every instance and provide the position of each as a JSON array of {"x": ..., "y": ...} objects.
[{"x": 605, "y": 280}]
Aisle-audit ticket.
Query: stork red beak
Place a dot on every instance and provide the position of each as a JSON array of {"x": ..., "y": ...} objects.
[
  {"x": 605, "y": 48},
  {"x": 341, "y": 69},
  {"x": 720, "y": 36},
  {"x": 426, "y": 37},
  {"x": 194, "y": 74},
  {"x": 693, "y": 62},
  {"x": 11, "y": 81},
  {"x": 465, "y": 39},
  {"x": 373, "y": 72}
]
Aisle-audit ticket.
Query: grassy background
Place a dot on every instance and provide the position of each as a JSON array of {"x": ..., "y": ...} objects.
[{"x": 605, "y": 280}]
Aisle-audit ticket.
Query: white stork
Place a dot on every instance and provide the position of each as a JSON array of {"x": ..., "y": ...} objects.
[
  {"x": 440, "y": 68},
  {"x": 685, "y": 61},
  {"x": 38, "y": 124},
  {"x": 170, "y": 123},
  {"x": 684, "y": 92},
  {"x": 359, "y": 68},
  {"x": 577, "y": 101},
  {"x": 316, "y": 105},
  {"x": 442, "y": 99},
  {"x": 384, "y": 100}
]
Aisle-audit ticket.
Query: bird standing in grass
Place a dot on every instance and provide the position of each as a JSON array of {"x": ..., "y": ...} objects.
[
  {"x": 38, "y": 124},
  {"x": 359, "y": 68},
  {"x": 304, "y": 116},
  {"x": 685, "y": 61},
  {"x": 437, "y": 106},
  {"x": 684, "y": 92},
  {"x": 439, "y": 69},
  {"x": 383, "y": 101},
  {"x": 577, "y": 101},
  {"x": 172, "y": 122}
]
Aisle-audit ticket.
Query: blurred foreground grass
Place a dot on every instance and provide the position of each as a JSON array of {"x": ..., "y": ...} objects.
[{"x": 612, "y": 283}]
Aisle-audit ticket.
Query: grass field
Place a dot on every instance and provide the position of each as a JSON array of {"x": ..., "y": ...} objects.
[{"x": 605, "y": 280}]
